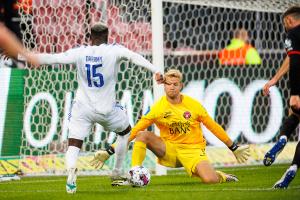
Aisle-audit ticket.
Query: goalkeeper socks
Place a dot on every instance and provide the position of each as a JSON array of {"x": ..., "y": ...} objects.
[
  {"x": 222, "y": 176},
  {"x": 71, "y": 156},
  {"x": 296, "y": 159},
  {"x": 120, "y": 151},
  {"x": 138, "y": 153}
]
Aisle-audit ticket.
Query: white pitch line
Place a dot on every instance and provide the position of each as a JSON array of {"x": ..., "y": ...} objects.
[
  {"x": 22, "y": 181},
  {"x": 157, "y": 190},
  {"x": 182, "y": 171}
]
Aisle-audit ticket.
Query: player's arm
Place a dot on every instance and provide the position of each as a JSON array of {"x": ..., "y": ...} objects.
[
  {"x": 284, "y": 68},
  {"x": 241, "y": 153},
  {"x": 68, "y": 57},
  {"x": 139, "y": 60},
  {"x": 13, "y": 47},
  {"x": 216, "y": 129}
]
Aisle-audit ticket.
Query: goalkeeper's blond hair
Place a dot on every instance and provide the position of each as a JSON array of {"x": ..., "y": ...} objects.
[{"x": 174, "y": 73}]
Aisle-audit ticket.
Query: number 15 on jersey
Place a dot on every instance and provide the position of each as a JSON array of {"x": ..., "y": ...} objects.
[{"x": 94, "y": 79}]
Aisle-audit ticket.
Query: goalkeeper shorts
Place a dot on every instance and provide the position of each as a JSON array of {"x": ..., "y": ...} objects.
[{"x": 183, "y": 155}]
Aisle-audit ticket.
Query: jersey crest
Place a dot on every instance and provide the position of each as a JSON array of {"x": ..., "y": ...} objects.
[
  {"x": 288, "y": 44},
  {"x": 187, "y": 115}
]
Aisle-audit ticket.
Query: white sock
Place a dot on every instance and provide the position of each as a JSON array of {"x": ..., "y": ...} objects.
[
  {"x": 283, "y": 137},
  {"x": 120, "y": 153},
  {"x": 71, "y": 157},
  {"x": 293, "y": 167}
]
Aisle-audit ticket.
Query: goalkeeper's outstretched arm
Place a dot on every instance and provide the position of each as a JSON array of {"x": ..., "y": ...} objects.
[{"x": 241, "y": 153}]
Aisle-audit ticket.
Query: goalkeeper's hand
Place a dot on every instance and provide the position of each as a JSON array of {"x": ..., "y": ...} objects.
[
  {"x": 241, "y": 153},
  {"x": 99, "y": 158}
]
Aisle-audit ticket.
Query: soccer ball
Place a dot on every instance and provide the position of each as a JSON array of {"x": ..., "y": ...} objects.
[{"x": 139, "y": 176}]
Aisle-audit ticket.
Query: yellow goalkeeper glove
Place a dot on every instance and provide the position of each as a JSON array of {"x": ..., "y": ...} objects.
[
  {"x": 100, "y": 157},
  {"x": 241, "y": 153}
]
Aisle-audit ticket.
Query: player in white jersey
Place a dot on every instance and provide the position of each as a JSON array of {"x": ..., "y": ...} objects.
[{"x": 95, "y": 100}]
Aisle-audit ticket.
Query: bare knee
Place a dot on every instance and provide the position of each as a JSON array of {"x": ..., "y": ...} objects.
[{"x": 143, "y": 136}]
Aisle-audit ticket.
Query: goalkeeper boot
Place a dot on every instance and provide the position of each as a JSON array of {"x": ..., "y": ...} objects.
[
  {"x": 285, "y": 180},
  {"x": 231, "y": 178},
  {"x": 274, "y": 152},
  {"x": 119, "y": 180},
  {"x": 227, "y": 177},
  {"x": 71, "y": 181}
]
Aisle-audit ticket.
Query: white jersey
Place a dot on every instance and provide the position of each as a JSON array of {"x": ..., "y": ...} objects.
[{"x": 97, "y": 69}]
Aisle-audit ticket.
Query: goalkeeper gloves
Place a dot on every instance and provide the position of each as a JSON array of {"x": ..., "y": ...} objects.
[
  {"x": 241, "y": 153},
  {"x": 101, "y": 156}
]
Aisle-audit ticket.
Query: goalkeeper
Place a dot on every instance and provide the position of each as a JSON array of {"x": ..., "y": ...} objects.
[{"x": 181, "y": 142}]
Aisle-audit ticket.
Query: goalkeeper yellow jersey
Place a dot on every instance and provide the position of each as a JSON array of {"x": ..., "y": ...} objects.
[{"x": 180, "y": 123}]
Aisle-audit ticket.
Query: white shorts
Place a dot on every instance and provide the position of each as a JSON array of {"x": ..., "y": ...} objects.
[{"x": 83, "y": 117}]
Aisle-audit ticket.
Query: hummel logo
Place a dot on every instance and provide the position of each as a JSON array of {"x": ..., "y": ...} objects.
[{"x": 167, "y": 114}]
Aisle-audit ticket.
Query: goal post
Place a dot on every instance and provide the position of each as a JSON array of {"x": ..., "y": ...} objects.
[{"x": 157, "y": 57}]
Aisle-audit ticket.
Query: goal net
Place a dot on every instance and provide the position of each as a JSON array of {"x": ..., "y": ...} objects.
[
  {"x": 194, "y": 32},
  {"x": 56, "y": 26}
]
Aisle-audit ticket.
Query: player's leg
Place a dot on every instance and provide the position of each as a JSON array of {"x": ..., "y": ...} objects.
[
  {"x": 290, "y": 173},
  {"x": 194, "y": 160},
  {"x": 295, "y": 104},
  {"x": 117, "y": 121},
  {"x": 71, "y": 159},
  {"x": 117, "y": 177},
  {"x": 286, "y": 129},
  {"x": 79, "y": 127},
  {"x": 146, "y": 139},
  {"x": 207, "y": 173}
]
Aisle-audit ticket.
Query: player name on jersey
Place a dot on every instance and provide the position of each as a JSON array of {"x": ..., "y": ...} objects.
[{"x": 97, "y": 59}]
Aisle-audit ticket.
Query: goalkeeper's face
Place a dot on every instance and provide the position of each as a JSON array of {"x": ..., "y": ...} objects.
[{"x": 172, "y": 85}]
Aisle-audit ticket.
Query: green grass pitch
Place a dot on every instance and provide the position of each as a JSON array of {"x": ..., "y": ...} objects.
[{"x": 255, "y": 183}]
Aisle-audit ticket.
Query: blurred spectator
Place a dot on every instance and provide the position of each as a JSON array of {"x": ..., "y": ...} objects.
[
  {"x": 12, "y": 47},
  {"x": 10, "y": 16},
  {"x": 239, "y": 51}
]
